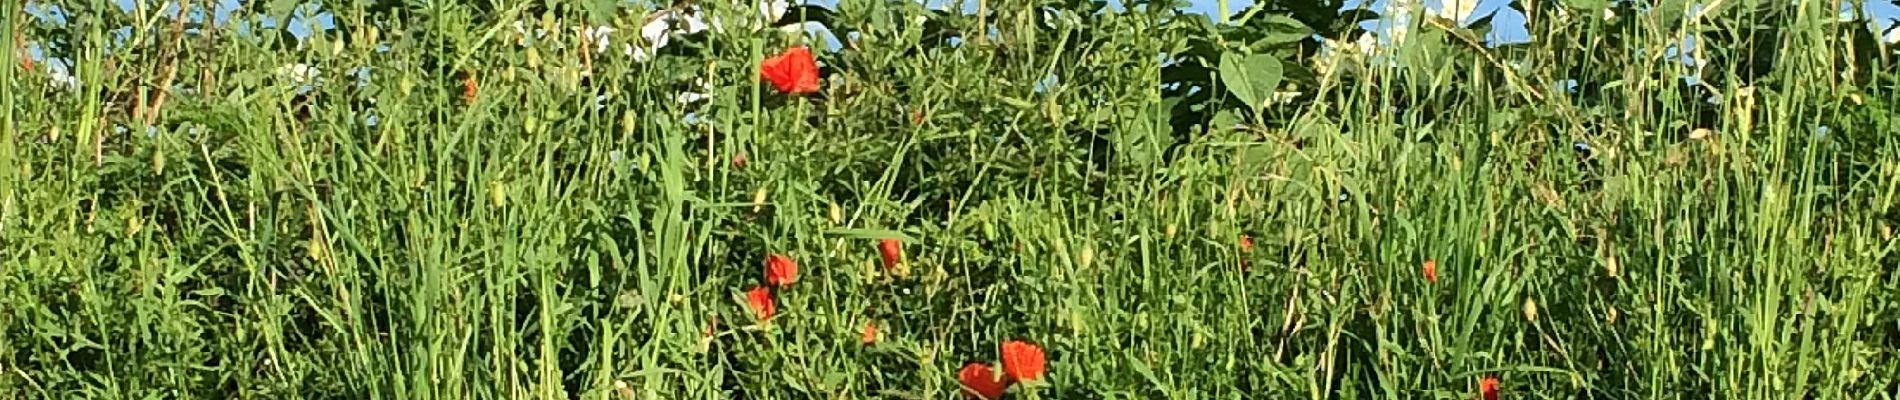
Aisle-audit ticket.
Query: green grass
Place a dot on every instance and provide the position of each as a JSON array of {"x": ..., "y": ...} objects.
[{"x": 262, "y": 244}]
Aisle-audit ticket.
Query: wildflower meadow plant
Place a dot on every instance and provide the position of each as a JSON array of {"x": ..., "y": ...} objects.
[{"x": 901, "y": 199}]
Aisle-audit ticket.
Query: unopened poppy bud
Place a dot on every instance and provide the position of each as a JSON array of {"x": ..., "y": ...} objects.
[{"x": 1530, "y": 309}]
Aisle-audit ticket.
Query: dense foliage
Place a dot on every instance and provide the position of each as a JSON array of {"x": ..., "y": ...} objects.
[{"x": 1050, "y": 199}]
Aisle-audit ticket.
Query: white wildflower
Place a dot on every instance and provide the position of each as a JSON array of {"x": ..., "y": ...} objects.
[
  {"x": 521, "y": 34},
  {"x": 690, "y": 97},
  {"x": 1457, "y": 11},
  {"x": 657, "y": 31},
  {"x": 298, "y": 73},
  {"x": 1367, "y": 44},
  {"x": 1285, "y": 96},
  {"x": 773, "y": 10},
  {"x": 660, "y": 28},
  {"x": 598, "y": 36},
  {"x": 692, "y": 22}
]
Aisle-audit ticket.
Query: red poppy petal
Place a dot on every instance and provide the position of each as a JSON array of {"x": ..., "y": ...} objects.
[{"x": 979, "y": 382}]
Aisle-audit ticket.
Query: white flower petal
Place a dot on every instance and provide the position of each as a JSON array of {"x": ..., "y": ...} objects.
[
  {"x": 691, "y": 97},
  {"x": 298, "y": 73},
  {"x": 1285, "y": 96},
  {"x": 599, "y": 37},
  {"x": 1367, "y": 43},
  {"x": 656, "y": 31},
  {"x": 773, "y": 10}
]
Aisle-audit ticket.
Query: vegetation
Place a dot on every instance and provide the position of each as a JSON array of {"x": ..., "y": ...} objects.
[{"x": 1090, "y": 200}]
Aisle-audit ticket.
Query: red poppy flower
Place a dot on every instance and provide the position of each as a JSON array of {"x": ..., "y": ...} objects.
[
  {"x": 890, "y": 250},
  {"x": 1430, "y": 271},
  {"x": 760, "y": 299},
  {"x": 791, "y": 72},
  {"x": 738, "y": 160},
  {"x": 1022, "y": 361},
  {"x": 780, "y": 270},
  {"x": 870, "y": 333},
  {"x": 468, "y": 87},
  {"x": 1488, "y": 388},
  {"x": 1246, "y": 243},
  {"x": 979, "y": 382}
]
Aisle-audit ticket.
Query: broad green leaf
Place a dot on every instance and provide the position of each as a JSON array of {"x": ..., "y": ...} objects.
[
  {"x": 1222, "y": 121},
  {"x": 1250, "y": 78},
  {"x": 1279, "y": 29}
]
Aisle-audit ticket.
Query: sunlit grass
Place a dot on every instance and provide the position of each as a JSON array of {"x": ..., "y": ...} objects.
[{"x": 574, "y": 230}]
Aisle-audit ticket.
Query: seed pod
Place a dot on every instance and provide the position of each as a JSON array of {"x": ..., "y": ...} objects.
[
  {"x": 497, "y": 194},
  {"x": 758, "y": 200}
]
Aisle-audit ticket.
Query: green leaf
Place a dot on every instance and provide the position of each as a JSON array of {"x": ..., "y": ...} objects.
[
  {"x": 1250, "y": 78},
  {"x": 1277, "y": 29},
  {"x": 1015, "y": 102},
  {"x": 1223, "y": 121},
  {"x": 1587, "y": 5},
  {"x": 601, "y": 11},
  {"x": 872, "y": 234},
  {"x": 280, "y": 9}
]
